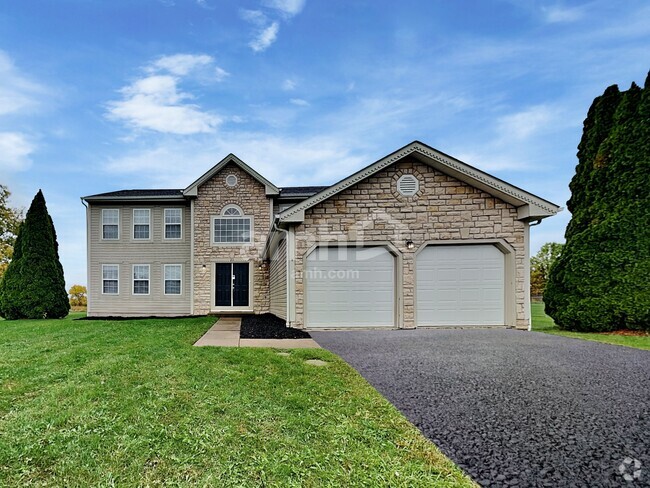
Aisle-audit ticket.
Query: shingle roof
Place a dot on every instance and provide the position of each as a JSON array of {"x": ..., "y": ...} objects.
[
  {"x": 301, "y": 190},
  {"x": 139, "y": 194}
]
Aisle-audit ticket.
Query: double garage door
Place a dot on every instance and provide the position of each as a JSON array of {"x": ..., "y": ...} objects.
[{"x": 356, "y": 287}]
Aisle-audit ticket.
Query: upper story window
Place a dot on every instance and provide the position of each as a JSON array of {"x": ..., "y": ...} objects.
[
  {"x": 173, "y": 218},
  {"x": 110, "y": 223},
  {"x": 141, "y": 221},
  {"x": 232, "y": 226},
  {"x": 140, "y": 279}
]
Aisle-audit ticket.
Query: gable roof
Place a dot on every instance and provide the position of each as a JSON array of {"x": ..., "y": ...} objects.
[
  {"x": 529, "y": 206},
  {"x": 192, "y": 190},
  {"x": 143, "y": 194}
]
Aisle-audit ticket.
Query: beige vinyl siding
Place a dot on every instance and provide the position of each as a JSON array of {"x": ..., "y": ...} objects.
[
  {"x": 278, "y": 285},
  {"x": 125, "y": 252}
]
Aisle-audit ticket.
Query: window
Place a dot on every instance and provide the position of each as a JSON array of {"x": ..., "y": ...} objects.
[
  {"x": 408, "y": 185},
  {"x": 141, "y": 218},
  {"x": 232, "y": 227},
  {"x": 110, "y": 279},
  {"x": 140, "y": 279},
  {"x": 173, "y": 279},
  {"x": 173, "y": 218},
  {"x": 110, "y": 223}
]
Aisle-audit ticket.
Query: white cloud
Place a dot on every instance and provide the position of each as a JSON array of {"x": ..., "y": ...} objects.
[
  {"x": 299, "y": 102},
  {"x": 265, "y": 38},
  {"x": 266, "y": 29},
  {"x": 289, "y": 84},
  {"x": 255, "y": 17},
  {"x": 156, "y": 103},
  {"x": 287, "y": 7},
  {"x": 528, "y": 122},
  {"x": 17, "y": 93},
  {"x": 558, "y": 14},
  {"x": 305, "y": 160},
  {"x": 185, "y": 64},
  {"x": 15, "y": 149},
  {"x": 181, "y": 64}
]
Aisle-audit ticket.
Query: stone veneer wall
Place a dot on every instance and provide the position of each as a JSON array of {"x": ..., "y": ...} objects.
[
  {"x": 444, "y": 208},
  {"x": 212, "y": 196}
]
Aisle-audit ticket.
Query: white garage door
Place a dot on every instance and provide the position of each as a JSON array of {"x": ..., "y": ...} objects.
[
  {"x": 350, "y": 287},
  {"x": 460, "y": 285}
]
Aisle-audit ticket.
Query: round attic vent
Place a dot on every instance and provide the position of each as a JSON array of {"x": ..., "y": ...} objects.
[
  {"x": 231, "y": 180},
  {"x": 408, "y": 185}
]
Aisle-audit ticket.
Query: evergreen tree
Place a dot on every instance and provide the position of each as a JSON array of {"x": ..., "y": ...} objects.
[
  {"x": 33, "y": 285},
  {"x": 601, "y": 281}
]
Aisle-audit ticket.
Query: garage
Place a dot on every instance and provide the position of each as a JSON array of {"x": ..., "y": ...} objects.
[
  {"x": 350, "y": 287},
  {"x": 460, "y": 285}
]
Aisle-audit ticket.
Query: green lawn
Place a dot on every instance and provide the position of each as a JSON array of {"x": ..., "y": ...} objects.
[
  {"x": 103, "y": 403},
  {"x": 544, "y": 323}
]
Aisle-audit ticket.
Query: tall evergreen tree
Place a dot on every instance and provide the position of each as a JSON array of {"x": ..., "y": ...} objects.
[
  {"x": 33, "y": 285},
  {"x": 601, "y": 281}
]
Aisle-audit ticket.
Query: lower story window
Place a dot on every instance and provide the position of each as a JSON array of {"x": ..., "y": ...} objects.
[
  {"x": 140, "y": 279},
  {"x": 173, "y": 274},
  {"x": 110, "y": 279}
]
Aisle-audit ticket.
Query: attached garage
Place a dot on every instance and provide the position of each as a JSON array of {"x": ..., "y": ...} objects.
[
  {"x": 460, "y": 285},
  {"x": 349, "y": 287}
]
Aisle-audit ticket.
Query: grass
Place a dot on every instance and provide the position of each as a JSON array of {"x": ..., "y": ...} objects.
[
  {"x": 544, "y": 323},
  {"x": 104, "y": 403}
]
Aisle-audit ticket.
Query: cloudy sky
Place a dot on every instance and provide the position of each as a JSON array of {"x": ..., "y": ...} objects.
[{"x": 102, "y": 95}]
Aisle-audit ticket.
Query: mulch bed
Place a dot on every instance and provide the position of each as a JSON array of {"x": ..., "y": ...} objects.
[
  {"x": 268, "y": 326},
  {"x": 626, "y": 332}
]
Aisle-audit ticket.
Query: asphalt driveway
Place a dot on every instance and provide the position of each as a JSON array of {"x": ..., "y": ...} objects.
[{"x": 515, "y": 408}]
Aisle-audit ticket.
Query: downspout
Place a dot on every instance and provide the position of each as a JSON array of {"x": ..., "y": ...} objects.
[
  {"x": 268, "y": 245},
  {"x": 87, "y": 255}
]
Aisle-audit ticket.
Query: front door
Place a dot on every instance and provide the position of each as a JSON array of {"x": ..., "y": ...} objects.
[{"x": 231, "y": 285}]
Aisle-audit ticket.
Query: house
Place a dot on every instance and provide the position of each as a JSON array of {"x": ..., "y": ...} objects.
[{"x": 416, "y": 239}]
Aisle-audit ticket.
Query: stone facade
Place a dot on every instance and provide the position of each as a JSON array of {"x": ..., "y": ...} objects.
[
  {"x": 213, "y": 196},
  {"x": 443, "y": 209}
]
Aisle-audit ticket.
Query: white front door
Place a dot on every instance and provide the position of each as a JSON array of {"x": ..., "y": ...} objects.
[
  {"x": 350, "y": 287},
  {"x": 460, "y": 285}
]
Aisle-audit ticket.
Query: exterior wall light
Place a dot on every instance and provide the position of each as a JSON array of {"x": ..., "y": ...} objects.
[{"x": 409, "y": 244}]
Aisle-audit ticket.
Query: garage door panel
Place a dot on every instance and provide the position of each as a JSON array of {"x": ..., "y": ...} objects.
[
  {"x": 460, "y": 285},
  {"x": 350, "y": 287}
]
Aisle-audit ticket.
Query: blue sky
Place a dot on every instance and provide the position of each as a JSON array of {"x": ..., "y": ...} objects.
[{"x": 97, "y": 96}]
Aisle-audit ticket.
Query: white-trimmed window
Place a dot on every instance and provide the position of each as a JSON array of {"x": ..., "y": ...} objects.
[
  {"x": 141, "y": 221},
  {"x": 173, "y": 223},
  {"x": 232, "y": 226},
  {"x": 110, "y": 279},
  {"x": 140, "y": 279},
  {"x": 173, "y": 273},
  {"x": 110, "y": 223}
]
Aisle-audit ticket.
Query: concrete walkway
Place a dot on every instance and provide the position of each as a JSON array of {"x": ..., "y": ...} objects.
[{"x": 225, "y": 333}]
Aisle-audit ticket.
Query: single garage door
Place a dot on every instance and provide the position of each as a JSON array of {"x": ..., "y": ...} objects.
[
  {"x": 350, "y": 287},
  {"x": 460, "y": 285}
]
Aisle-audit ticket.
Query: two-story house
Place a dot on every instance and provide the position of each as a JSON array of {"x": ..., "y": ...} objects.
[{"x": 415, "y": 239}]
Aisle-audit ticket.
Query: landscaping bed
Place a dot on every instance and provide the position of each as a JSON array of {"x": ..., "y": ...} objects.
[{"x": 268, "y": 326}]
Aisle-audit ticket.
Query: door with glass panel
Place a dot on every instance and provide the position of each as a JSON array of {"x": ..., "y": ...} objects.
[{"x": 231, "y": 285}]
